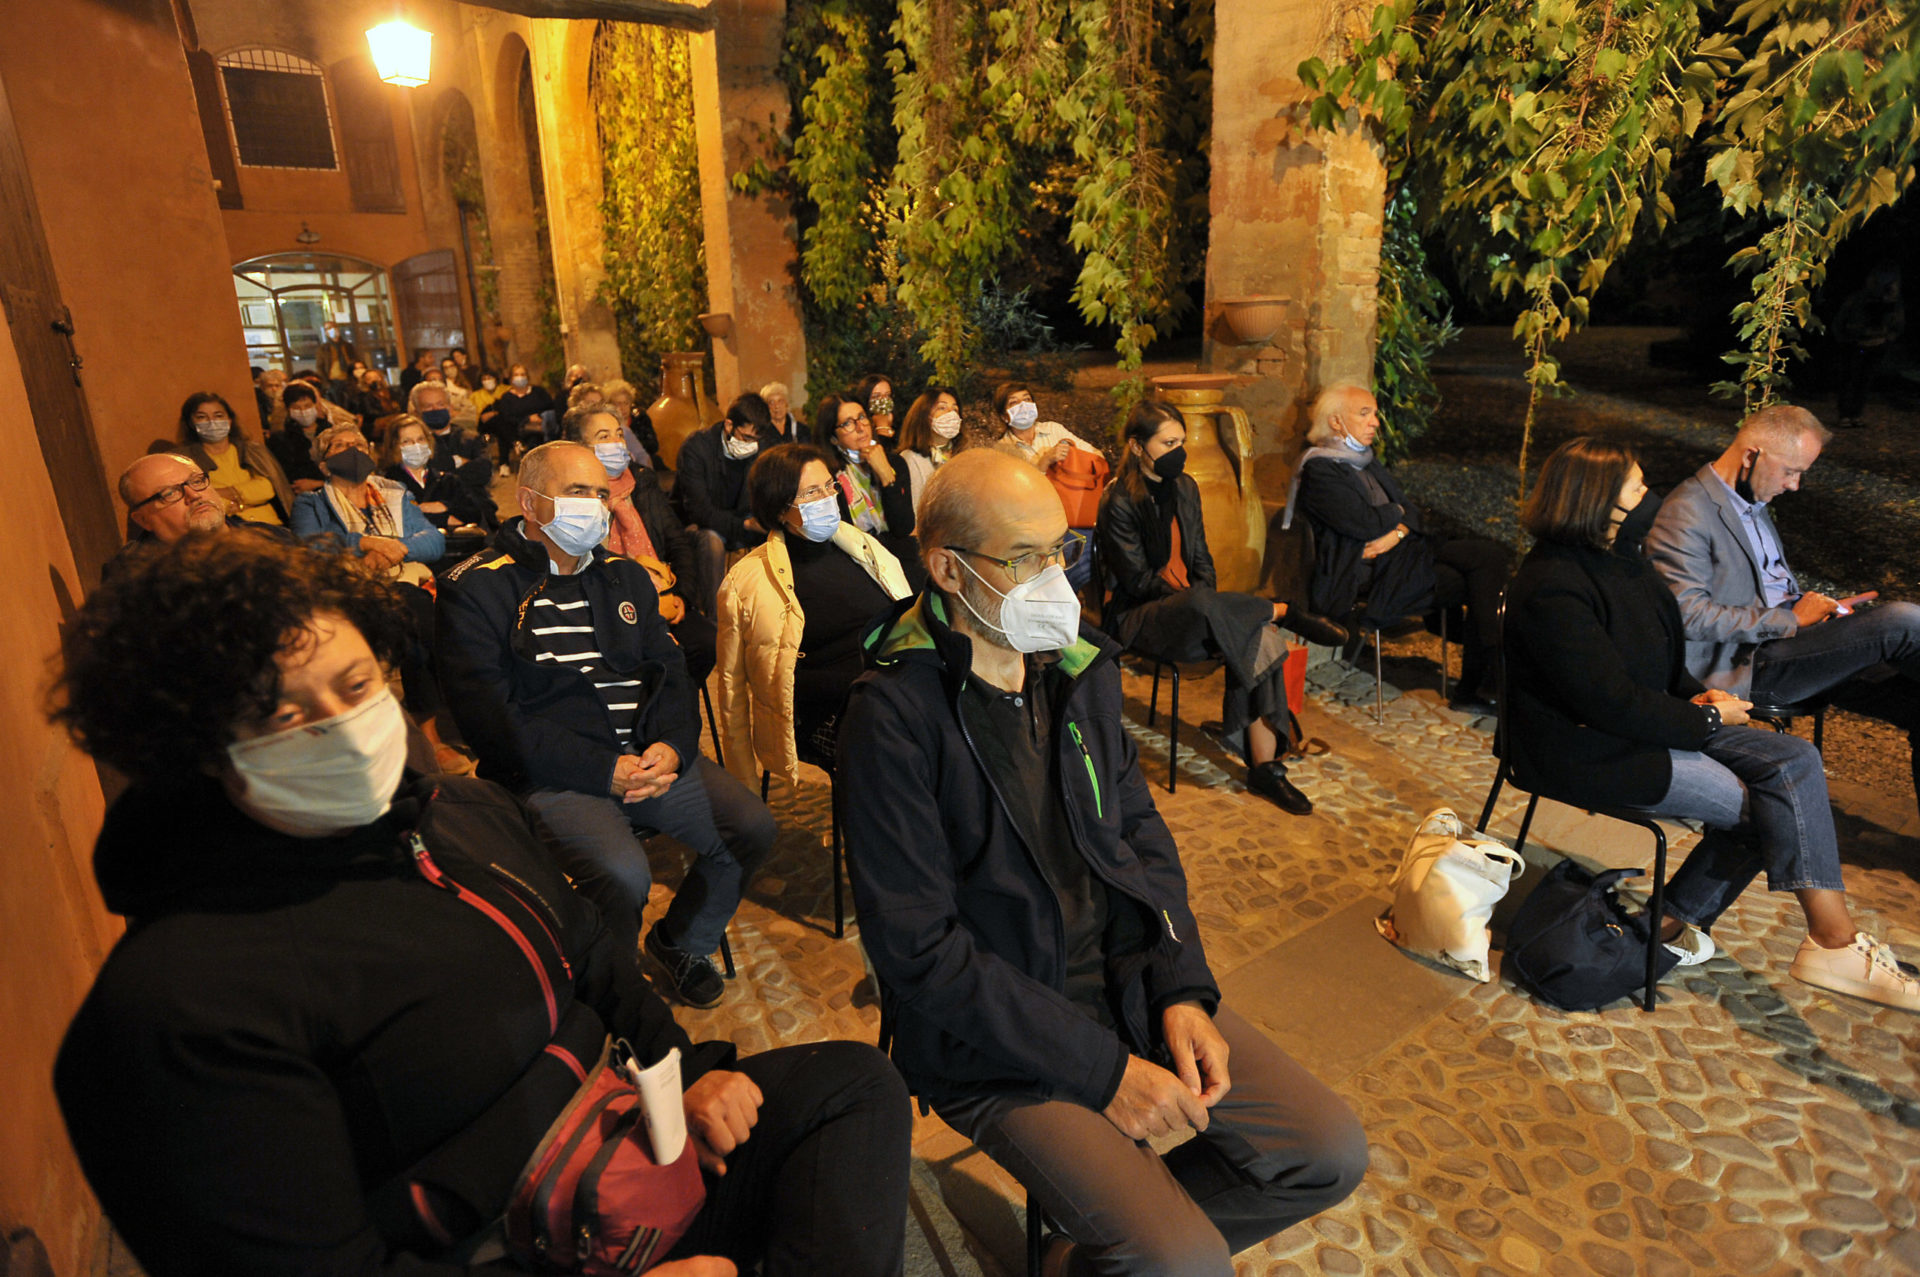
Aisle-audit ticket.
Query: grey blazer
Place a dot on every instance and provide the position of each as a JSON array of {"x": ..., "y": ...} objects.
[{"x": 1699, "y": 546}]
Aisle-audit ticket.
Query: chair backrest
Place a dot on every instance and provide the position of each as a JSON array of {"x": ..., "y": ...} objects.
[{"x": 1290, "y": 558}]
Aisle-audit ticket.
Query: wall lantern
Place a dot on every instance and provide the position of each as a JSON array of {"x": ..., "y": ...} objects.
[{"x": 402, "y": 53}]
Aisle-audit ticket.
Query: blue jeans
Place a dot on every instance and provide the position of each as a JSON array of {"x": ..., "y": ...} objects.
[
  {"x": 1763, "y": 797},
  {"x": 596, "y": 839},
  {"x": 1869, "y": 662}
]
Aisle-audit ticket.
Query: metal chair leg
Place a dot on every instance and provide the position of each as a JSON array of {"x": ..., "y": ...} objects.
[
  {"x": 713, "y": 725},
  {"x": 1443, "y": 653},
  {"x": 726, "y": 954},
  {"x": 1656, "y": 910},
  {"x": 1036, "y": 1235},
  {"x": 1153, "y": 701},
  {"x": 1526, "y": 823},
  {"x": 1493, "y": 796},
  {"x": 839, "y": 903},
  {"x": 1173, "y": 734},
  {"x": 1820, "y": 731}
]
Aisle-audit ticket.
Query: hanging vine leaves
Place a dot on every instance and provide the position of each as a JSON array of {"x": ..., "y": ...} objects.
[
  {"x": 1818, "y": 133},
  {"x": 641, "y": 84},
  {"x": 836, "y": 162}
]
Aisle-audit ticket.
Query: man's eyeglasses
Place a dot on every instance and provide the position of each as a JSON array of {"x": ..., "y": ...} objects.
[
  {"x": 1023, "y": 567},
  {"x": 174, "y": 493}
]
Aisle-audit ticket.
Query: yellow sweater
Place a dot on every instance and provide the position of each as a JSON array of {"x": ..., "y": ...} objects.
[{"x": 256, "y": 491}]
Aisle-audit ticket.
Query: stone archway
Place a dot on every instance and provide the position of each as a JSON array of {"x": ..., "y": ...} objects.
[{"x": 455, "y": 162}]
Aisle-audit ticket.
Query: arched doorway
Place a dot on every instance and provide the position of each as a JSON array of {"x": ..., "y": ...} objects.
[{"x": 288, "y": 300}]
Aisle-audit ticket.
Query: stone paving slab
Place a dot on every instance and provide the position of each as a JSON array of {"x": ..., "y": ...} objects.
[{"x": 1749, "y": 1124}]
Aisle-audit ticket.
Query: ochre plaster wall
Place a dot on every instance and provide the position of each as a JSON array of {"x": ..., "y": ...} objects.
[
  {"x": 53, "y": 932},
  {"x": 127, "y": 199}
]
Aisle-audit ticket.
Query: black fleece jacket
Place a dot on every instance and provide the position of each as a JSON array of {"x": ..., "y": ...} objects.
[
  {"x": 1135, "y": 545},
  {"x": 711, "y": 488},
  {"x": 540, "y": 724},
  {"x": 963, "y": 929},
  {"x": 305, "y": 1047}
]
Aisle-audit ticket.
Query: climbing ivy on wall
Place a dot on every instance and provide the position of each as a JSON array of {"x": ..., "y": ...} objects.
[{"x": 641, "y": 84}]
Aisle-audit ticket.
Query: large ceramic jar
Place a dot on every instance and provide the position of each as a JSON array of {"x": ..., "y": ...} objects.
[{"x": 676, "y": 413}]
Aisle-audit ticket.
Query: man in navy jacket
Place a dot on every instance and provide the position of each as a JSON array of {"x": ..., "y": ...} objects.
[
  {"x": 568, "y": 685},
  {"x": 1025, "y": 911}
]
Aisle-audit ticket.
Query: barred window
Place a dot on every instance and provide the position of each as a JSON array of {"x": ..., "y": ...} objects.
[{"x": 277, "y": 105}]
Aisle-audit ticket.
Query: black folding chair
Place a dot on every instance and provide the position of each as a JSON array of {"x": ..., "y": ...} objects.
[{"x": 1503, "y": 775}]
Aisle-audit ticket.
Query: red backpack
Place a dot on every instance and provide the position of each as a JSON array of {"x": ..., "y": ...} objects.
[{"x": 592, "y": 1199}]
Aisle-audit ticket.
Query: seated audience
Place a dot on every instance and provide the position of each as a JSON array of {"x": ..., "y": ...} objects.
[
  {"x": 1750, "y": 627},
  {"x": 461, "y": 449},
  {"x": 412, "y": 458},
  {"x": 292, "y": 443},
  {"x": 485, "y": 391},
  {"x": 788, "y": 427},
  {"x": 1057, "y": 451},
  {"x": 167, "y": 496},
  {"x": 416, "y": 372},
  {"x": 364, "y": 514},
  {"x": 569, "y": 687},
  {"x": 710, "y": 491},
  {"x": 248, "y": 478},
  {"x": 1153, "y": 545},
  {"x": 585, "y": 394},
  {"x": 792, "y": 615},
  {"x": 874, "y": 393},
  {"x": 876, "y": 489},
  {"x": 930, "y": 436},
  {"x": 1026, "y": 915},
  {"x": 467, "y": 375},
  {"x": 268, "y": 383},
  {"x": 460, "y": 409},
  {"x": 303, "y": 1058},
  {"x": 636, "y": 427},
  {"x": 642, "y": 526},
  {"x": 514, "y": 418},
  {"x": 1604, "y": 712},
  {"x": 1371, "y": 545}
]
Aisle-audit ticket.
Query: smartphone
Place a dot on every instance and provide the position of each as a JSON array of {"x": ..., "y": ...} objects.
[{"x": 1846, "y": 605}]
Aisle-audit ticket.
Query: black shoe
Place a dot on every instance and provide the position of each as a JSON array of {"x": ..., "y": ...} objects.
[
  {"x": 1314, "y": 628},
  {"x": 693, "y": 977},
  {"x": 1269, "y": 780},
  {"x": 1476, "y": 704}
]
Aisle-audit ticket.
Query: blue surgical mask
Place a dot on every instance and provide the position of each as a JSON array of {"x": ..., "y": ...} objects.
[
  {"x": 614, "y": 456},
  {"x": 578, "y": 524},
  {"x": 214, "y": 430},
  {"x": 1353, "y": 444},
  {"x": 855, "y": 455},
  {"x": 416, "y": 455},
  {"x": 1022, "y": 415},
  {"x": 820, "y": 519}
]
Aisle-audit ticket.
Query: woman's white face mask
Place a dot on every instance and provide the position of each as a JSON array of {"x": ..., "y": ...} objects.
[{"x": 326, "y": 777}]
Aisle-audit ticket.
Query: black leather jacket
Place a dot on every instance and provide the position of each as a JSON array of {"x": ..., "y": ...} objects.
[{"x": 1134, "y": 545}]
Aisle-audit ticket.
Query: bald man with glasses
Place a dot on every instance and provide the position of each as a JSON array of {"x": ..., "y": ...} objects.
[{"x": 168, "y": 496}]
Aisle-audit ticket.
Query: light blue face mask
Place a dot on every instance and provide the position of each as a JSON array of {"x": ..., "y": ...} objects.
[
  {"x": 1353, "y": 444},
  {"x": 820, "y": 519},
  {"x": 614, "y": 456},
  {"x": 578, "y": 524}
]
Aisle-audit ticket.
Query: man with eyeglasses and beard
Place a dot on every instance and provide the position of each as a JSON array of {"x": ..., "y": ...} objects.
[
  {"x": 167, "y": 496},
  {"x": 1026, "y": 914}
]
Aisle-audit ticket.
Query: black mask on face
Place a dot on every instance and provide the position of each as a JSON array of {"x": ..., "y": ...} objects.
[
  {"x": 352, "y": 465},
  {"x": 1171, "y": 464},
  {"x": 1743, "y": 482},
  {"x": 1635, "y": 526}
]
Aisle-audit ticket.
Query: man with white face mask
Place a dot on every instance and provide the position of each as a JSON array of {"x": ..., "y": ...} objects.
[
  {"x": 568, "y": 685},
  {"x": 1026, "y": 914},
  {"x": 710, "y": 491}
]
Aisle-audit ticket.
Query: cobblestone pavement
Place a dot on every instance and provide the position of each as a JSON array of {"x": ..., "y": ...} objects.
[{"x": 1749, "y": 1124}]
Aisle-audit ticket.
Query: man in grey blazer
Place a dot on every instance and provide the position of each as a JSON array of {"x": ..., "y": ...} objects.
[{"x": 1751, "y": 630}]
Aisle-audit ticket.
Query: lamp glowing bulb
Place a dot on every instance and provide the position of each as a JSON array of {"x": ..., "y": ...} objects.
[{"x": 402, "y": 53}]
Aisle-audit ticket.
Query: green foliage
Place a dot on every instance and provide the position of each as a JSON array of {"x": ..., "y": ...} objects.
[
  {"x": 1413, "y": 322},
  {"x": 460, "y": 161},
  {"x": 1818, "y": 132},
  {"x": 656, "y": 277}
]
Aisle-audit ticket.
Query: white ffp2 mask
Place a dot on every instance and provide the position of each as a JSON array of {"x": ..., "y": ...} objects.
[
  {"x": 326, "y": 777},
  {"x": 1039, "y": 615}
]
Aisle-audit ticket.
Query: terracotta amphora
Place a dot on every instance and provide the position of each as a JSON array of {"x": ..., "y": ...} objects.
[{"x": 678, "y": 412}]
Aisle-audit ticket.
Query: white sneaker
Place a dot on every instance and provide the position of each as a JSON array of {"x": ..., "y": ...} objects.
[
  {"x": 1692, "y": 946},
  {"x": 1864, "y": 969}
]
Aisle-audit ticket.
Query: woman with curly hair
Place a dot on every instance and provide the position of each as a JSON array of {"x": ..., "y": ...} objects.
[{"x": 351, "y": 998}]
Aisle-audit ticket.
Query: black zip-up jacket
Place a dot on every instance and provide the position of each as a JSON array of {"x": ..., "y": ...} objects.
[
  {"x": 540, "y": 724},
  {"x": 710, "y": 490},
  {"x": 962, "y": 927},
  {"x": 303, "y": 1049},
  {"x": 1134, "y": 546}
]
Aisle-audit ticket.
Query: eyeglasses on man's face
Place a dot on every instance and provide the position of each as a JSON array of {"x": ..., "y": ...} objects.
[
  {"x": 1024, "y": 567},
  {"x": 174, "y": 493}
]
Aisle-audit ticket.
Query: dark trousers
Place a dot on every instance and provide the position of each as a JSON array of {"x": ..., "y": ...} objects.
[
  {"x": 1280, "y": 1147},
  {"x": 820, "y": 1186},
  {"x": 1868, "y": 662},
  {"x": 1472, "y": 572}
]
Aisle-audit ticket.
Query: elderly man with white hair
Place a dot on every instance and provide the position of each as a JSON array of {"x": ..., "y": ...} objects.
[
  {"x": 1372, "y": 547},
  {"x": 780, "y": 408}
]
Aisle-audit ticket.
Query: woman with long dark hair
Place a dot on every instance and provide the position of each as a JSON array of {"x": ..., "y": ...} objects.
[
  {"x": 240, "y": 466},
  {"x": 1602, "y": 711},
  {"x": 930, "y": 436},
  {"x": 1153, "y": 543}
]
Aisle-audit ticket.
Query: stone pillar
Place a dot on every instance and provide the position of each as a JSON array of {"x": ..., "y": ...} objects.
[
  {"x": 1295, "y": 215},
  {"x": 571, "y": 165},
  {"x": 740, "y": 103},
  {"x": 498, "y": 49}
]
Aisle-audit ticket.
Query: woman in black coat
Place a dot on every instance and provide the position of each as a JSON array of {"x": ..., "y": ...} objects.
[
  {"x": 1602, "y": 711},
  {"x": 351, "y": 998},
  {"x": 1153, "y": 544},
  {"x": 1371, "y": 545}
]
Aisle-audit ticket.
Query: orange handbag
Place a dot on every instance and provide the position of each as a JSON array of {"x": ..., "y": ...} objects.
[{"x": 1079, "y": 479}]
